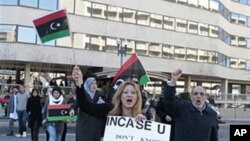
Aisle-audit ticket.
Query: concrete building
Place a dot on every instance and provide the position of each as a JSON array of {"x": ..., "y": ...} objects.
[{"x": 208, "y": 39}]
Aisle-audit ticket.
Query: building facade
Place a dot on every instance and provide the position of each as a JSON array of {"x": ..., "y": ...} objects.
[{"x": 208, "y": 39}]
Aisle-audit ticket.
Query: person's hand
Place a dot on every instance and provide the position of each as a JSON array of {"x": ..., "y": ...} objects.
[
  {"x": 72, "y": 112},
  {"x": 176, "y": 75},
  {"x": 140, "y": 117},
  {"x": 44, "y": 121},
  {"x": 168, "y": 118},
  {"x": 77, "y": 76}
]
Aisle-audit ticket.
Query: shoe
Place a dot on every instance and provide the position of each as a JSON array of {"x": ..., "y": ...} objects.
[
  {"x": 18, "y": 135},
  {"x": 10, "y": 134},
  {"x": 24, "y": 134}
]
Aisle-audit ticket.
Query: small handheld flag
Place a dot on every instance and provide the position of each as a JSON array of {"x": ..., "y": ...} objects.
[
  {"x": 52, "y": 26},
  {"x": 132, "y": 66},
  {"x": 60, "y": 113}
]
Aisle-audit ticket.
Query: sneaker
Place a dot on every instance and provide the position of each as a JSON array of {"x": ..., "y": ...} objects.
[
  {"x": 18, "y": 135},
  {"x": 24, "y": 134}
]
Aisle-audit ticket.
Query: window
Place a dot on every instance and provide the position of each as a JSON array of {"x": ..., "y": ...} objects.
[
  {"x": 156, "y": 20},
  {"x": 243, "y": 1},
  {"x": 168, "y": 51},
  {"x": 181, "y": 25},
  {"x": 212, "y": 57},
  {"x": 81, "y": 41},
  {"x": 193, "y": 3},
  {"x": 242, "y": 64},
  {"x": 114, "y": 13},
  {"x": 96, "y": 43},
  {"x": 111, "y": 45},
  {"x": 68, "y": 4},
  {"x": 154, "y": 49},
  {"x": 234, "y": 63},
  {"x": 242, "y": 42},
  {"x": 233, "y": 40},
  {"x": 248, "y": 21},
  {"x": 48, "y": 4},
  {"x": 202, "y": 56},
  {"x": 180, "y": 53},
  {"x": 26, "y": 35},
  {"x": 242, "y": 20},
  {"x": 234, "y": 18},
  {"x": 169, "y": 23},
  {"x": 203, "y": 29},
  {"x": 8, "y": 2},
  {"x": 8, "y": 33},
  {"x": 141, "y": 48},
  {"x": 248, "y": 65},
  {"x": 98, "y": 10},
  {"x": 248, "y": 42},
  {"x": 203, "y": 4},
  {"x": 31, "y": 3},
  {"x": 213, "y": 31},
  {"x": 65, "y": 42},
  {"x": 49, "y": 43},
  {"x": 214, "y": 5},
  {"x": 192, "y": 54},
  {"x": 192, "y": 27},
  {"x": 83, "y": 8},
  {"x": 142, "y": 18},
  {"x": 128, "y": 16},
  {"x": 223, "y": 60}
]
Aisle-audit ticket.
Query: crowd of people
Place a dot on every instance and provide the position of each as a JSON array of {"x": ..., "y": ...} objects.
[{"x": 190, "y": 119}]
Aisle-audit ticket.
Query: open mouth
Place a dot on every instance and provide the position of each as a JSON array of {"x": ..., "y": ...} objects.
[
  {"x": 198, "y": 101},
  {"x": 129, "y": 100}
]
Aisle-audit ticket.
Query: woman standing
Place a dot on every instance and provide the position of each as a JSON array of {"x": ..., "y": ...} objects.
[{"x": 34, "y": 109}]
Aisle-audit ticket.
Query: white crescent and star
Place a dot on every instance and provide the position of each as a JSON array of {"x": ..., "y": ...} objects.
[
  {"x": 54, "y": 26},
  {"x": 64, "y": 112}
]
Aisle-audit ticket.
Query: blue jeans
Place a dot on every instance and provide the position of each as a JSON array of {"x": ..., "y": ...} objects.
[
  {"x": 55, "y": 131},
  {"x": 22, "y": 119}
]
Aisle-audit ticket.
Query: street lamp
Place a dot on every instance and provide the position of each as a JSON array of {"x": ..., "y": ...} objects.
[{"x": 120, "y": 49}]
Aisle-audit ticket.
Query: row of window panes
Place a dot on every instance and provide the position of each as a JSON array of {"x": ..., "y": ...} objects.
[
  {"x": 246, "y": 2},
  {"x": 108, "y": 44},
  {"x": 42, "y": 4}
]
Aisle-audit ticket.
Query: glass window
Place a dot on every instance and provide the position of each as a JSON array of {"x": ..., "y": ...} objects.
[
  {"x": 203, "y": 4},
  {"x": 212, "y": 57},
  {"x": 192, "y": 27},
  {"x": 202, "y": 56},
  {"x": 81, "y": 41},
  {"x": 65, "y": 42},
  {"x": 8, "y": 33},
  {"x": 223, "y": 60},
  {"x": 181, "y": 25},
  {"x": 214, "y": 5},
  {"x": 96, "y": 43},
  {"x": 213, "y": 31},
  {"x": 233, "y": 40},
  {"x": 243, "y": 1},
  {"x": 248, "y": 43},
  {"x": 141, "y": 48},
  {"x": 203, "y": 29},
  {"x": 155, "y": 49},
  {"x": 179, "y": 53},
  {"x": 169, "y": 23},
  {"x": 234, "y": 18},
  {"x": 129, "y": 16},
  {"x": 142, "y": 18},
  {"x": 114, "y": 13},
  {"x": 111, "y": 45},
  {"x": 248, "y": 21},
  {"x": 168, "y": 51},
  {"x": 48, "y": 4},
  {"x": 192, "y": 54},
  {"x": 242, "y": 42},
  {"x": 68, "y": 4},
  {"x": 182, "y": 1},
  {"x": 26, "y": 35},
  {"x": 242, "y": 20},
  {"x": 83, "y": 8},
  {"x": 156, "y": 20},
  {"x": 98, "y": 10},
  {"x": 8, "y": 2},
  {"x": 248, "y": 65},
  {"x": 31, "y": 3},
  {"x": 234, "y": 63},
  {"x": 242, "y": 64},
  {"x": 130, "y": 46}
]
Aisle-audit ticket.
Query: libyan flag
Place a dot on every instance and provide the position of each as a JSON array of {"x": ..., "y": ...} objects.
[
  {"x": 52, "y": 26},
  {"x": 60, "y": 113},
  {"x": 132, "y": 66}
]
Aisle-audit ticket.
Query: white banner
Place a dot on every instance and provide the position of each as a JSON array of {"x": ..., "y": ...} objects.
[{"x": 120, "y": 128}]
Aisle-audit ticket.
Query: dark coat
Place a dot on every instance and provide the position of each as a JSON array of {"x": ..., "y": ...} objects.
[
  {"x": 34, "y": 108},
  {"x": 190, "y": 123},
  {"x": 90, "y": 122}
]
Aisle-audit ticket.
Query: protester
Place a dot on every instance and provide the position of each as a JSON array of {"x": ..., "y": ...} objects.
[
  {"x": 54, "y": 128},
  {"x": 22, "y": 99},
  {"x": 34, "y": 109},
  {"x": 12, "y": 110},
  {"x": 194, "y": 120}
]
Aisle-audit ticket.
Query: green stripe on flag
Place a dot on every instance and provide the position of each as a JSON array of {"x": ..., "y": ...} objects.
[
  {"x": 56, "y": 35},
  {"x": 144, "y": 79},
  {"x": 62, "y": 118}
]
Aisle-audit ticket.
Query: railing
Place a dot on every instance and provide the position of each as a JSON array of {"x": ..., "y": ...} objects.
[{"x": 233, "y": 100}]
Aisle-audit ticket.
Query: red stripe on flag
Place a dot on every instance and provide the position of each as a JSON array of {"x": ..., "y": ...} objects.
[
  {"x": 125, "y": 66},
  {"x": 63, "y": 106},
  {"x": 4, "y": 100},
  {"x": 50, "y": 17}
]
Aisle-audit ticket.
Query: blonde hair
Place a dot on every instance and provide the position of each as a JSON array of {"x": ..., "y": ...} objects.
[{"x": 116, "y": 101}]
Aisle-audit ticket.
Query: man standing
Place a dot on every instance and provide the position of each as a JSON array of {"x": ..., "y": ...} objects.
[
  {"x": 22, "y": 99},
  {"x": 194, "y": 120}
]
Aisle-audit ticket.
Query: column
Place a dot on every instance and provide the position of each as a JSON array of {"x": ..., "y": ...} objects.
[
  {"x": 224, "y": 91},
  {"x": 187, "y": 85},
  {"x": 27, "y": 77},
  {"x": 18, "y": 74}
]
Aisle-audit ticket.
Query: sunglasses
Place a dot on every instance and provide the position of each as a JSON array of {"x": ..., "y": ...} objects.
[{"x": 201, "y": 93}]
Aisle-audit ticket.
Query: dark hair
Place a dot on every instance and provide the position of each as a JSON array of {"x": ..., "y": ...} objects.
[
  {"x": 34, "y": 89},
  {"x": 56, "y": 88}
]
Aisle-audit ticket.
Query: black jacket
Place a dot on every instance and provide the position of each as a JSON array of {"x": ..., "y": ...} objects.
[
  {"x": 34, "y": 108},
  {"x": 190, "y": 123}
]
